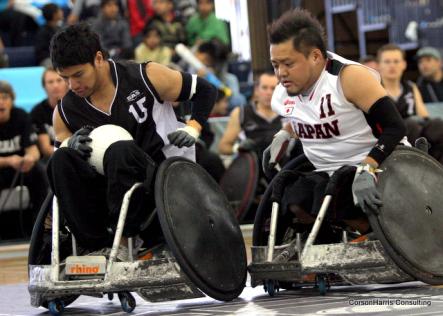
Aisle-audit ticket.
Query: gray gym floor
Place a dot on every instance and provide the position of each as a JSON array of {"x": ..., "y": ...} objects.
[{"x": 412, "y": 298}]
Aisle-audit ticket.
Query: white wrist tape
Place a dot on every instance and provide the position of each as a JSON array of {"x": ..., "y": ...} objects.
[{"x": 190, "y": 130}]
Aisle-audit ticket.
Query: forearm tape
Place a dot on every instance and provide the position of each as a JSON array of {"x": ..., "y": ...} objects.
[
  {"x": 201, "y": 93},
  {"x": 392, "y": 129}
]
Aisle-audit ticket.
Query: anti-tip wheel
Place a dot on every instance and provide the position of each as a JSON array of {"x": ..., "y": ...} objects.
[
  {"x": 322, "y": 284},
  {"x": 127, "y": 301},
  {"x": 271, "y": 287},
  {"x": 56, "y": 307}
]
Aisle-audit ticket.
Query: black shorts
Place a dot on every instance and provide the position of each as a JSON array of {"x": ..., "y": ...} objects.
[{"x": 308, "y": 193}]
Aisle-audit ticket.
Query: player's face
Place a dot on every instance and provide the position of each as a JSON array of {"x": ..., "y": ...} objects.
[
  {"x": 391, "y": 64},
  {"x": 5, "y": 107},
  {"x": 55, "y": 86},
  {"x": 265, "y": 88},
  {"x": 293, "y": 69},
  {"x": 81, "y": 79}
]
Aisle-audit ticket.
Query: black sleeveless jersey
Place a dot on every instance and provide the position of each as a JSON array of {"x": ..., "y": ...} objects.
[
  {"x": 406, "y": 101},
  {"x": 136, "y": 107},
  {"x": 258, "y": 128}
]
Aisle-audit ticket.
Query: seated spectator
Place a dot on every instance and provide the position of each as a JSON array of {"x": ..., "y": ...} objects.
[
  {"x": 253, "y": 127},
  {"x": 139, "y": 11},
  {"x": 15, "y": 23},
  {"x": 113, "y": 30},
  {"x": 220, "y": 106},
  {"x": 408, "y": 100},
  {"x": 171, "y": 29},
  {"x": 430, "y": 82},
  {"x": 369, "y": 61},
  {"x": 214, "y": 55},
  {"x": 53, "y": 15},
  {"x": 4, "y": 59},
  {"x": 186, "y": 9},
  {"x": 152, "y": 48},
  {"x": 18, "y": 150},
  {"x": 204, "y": 25},
  {"x": 89, "y": 9},
  {"x": 41, "y": 114}
]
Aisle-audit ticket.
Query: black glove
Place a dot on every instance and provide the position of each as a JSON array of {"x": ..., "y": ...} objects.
[
  {"x": 79, "y": 142},
  {"x": 365, "y": 192},
  {"x": 246, "y": 145},
  {"x": 185, "y": 136}
]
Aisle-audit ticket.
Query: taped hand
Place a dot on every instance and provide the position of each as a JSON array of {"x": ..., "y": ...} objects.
[
  {"x": 364, "y": 190},
  {"x": 276, "y": 150},
  {"x": 184, "y": 136}
]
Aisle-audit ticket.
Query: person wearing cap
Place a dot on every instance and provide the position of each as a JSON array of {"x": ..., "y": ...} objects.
[
  {"x": 18, "y": 150},
  {"x": 430, "y": 82}
]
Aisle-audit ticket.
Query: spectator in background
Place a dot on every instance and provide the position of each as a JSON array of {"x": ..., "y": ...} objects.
[
  {"x": 53, "y": 15},
  {"x": 41, "y": 114},
  {"x": 369, "y": 61},
  {"x": 214, "y": 55},
  {"x": 186, "y": 9},
  {"x": 204, "y": 25},
  {"x": 4, "y": 59},
  {"x": 89, "y": 9},
  {"x": 18, "y": 150},
  {"x": 113, "y": 30},
  {"x": 430, "y": 82},
  {"x": 152, "y": 48},
  {"x": 408, "y": 100},
  {"x": 139, "y": 11},
  {"x": 220, "y": 108},
  {"x": 171, "y": 29},
  {"x": 252, "y": 127},
  {"x": 15, "y": 23}
]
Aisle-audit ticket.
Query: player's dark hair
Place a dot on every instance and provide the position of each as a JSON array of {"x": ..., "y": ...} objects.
[
  {"x": 299, "y": 25},
  {"x": 75, "y": 45}
]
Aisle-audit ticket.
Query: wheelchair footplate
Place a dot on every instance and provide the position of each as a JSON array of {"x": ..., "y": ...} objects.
[{"x": 156, "y": 278}]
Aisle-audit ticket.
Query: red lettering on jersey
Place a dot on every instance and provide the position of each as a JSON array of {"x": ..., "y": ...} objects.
[
  {"x": 301, "y": 131},
  {"x": 333, "y": 128},
  {"x": 288, "y": 110},
  {"x": 318, "y": 131},
  {"x": 288, "y": 102}
]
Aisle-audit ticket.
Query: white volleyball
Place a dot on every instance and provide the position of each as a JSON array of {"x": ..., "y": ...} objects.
[{"x": 103, "y": 137}]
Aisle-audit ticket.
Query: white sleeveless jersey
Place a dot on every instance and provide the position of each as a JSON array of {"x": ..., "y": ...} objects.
[{"x": 333, "y": 131}]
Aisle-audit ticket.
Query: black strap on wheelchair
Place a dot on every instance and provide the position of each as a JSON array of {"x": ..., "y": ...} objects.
[{"x": 13, "y": 184}]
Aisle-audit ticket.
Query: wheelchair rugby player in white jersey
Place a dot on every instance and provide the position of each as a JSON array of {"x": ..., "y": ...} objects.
[{"x": 353, "y": 177}]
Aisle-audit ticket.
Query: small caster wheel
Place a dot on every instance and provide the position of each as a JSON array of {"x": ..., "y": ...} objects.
[
  {"x": 110, "y": 296},
  {"x": 127, "y": 301},
  {"x": 322, "y": 284},
  {"x": 271, "y": 287},
  {"x": 56, "y": 307}
]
